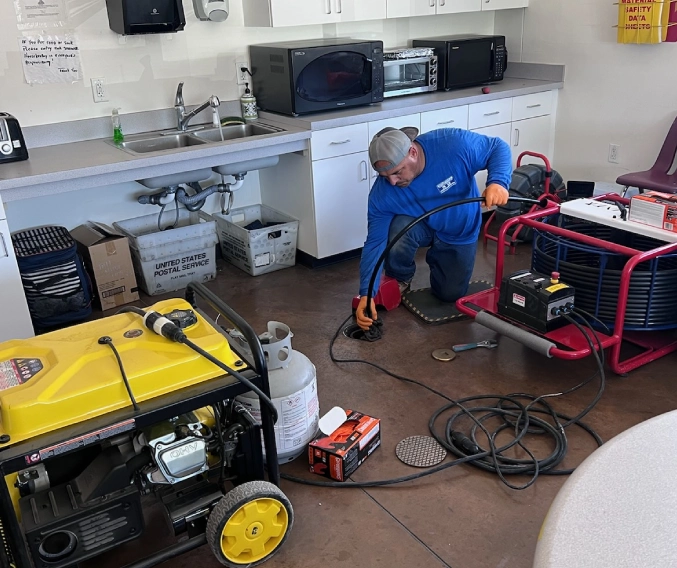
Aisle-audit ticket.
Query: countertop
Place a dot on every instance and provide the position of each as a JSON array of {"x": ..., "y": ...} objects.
[{"x": 84, "y": 164}]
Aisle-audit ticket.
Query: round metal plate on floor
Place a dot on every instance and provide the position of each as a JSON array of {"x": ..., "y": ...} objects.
[
  {"x": 444, "y": 355},
  {"x": 420, "y": 451}
]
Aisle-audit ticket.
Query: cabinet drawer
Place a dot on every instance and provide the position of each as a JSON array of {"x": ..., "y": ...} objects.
[
  {"x": 339, "y": 141},
  {"x": 489, "y": 113},
  {"x": 455, "y": 117},
  {"x": 528, "y": 106},
  {"x": 375, "y": 126}
]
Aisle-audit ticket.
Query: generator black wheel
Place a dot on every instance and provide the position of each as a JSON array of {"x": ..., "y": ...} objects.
[{"x": 249, "y": 524}]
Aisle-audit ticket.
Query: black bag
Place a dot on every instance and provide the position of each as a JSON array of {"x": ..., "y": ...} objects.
[
  {"x": 528, "y": 181},
  {"x": 57, "y": 287}
]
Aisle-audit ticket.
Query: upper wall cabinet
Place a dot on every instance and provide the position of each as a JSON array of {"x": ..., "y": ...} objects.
[
  {"x": 282, "y": 13},
  {"x": 408, "y": 8},
  {"x": 503, "y": 4}
]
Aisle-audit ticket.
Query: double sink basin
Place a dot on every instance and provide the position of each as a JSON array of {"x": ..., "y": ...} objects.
[{"x": 149, "y": 142}]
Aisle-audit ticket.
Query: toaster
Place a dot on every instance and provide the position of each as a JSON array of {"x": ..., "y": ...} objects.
[{"x": 12, "y": 145}]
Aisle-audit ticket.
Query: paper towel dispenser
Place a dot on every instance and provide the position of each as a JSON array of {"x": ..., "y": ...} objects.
[{"x": 128, "y": 17}]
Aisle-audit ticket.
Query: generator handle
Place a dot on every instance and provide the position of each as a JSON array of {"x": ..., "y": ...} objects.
[{"x": 260, "y": 366}]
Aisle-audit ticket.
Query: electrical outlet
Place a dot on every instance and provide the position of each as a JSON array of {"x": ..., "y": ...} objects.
[
  {"x": 99, "y": 90},
  {"x": 242, "y": 76},
  {"x": 614, "y": 153}
]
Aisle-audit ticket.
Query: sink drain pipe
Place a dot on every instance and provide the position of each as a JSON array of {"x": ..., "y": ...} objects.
[{"x": 195, "y": 202}]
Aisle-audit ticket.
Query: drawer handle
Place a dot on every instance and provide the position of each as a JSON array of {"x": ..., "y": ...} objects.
[
  {"x": 328, "y": 6},
  {"x": 447, "y": 121},
  {"x": 492, "y": 113},
  {"x": 432, "y": 3},
  {"x": 4, "y": 246},
  {"x": 443, "y": 2},
  {"x": 340, "y": 142},
  {"x": 517, "y": 136},
  {"x": 339, "y": 7},
  {"x": 365, "y": 174},
  {"x": 534, "y": 106}
]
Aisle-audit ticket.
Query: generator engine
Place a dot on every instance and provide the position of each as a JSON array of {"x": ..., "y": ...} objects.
[{"x": 535, "y": 300}]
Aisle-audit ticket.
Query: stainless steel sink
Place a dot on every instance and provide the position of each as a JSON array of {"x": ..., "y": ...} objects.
[
  {"x": 149, "y": 142},
  {"x": 143, "y": 145},
  {"x": 233, "y": 131}
]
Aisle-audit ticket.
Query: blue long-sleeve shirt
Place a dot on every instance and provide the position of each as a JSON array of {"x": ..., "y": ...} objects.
[{"x": 452, "y": 158}]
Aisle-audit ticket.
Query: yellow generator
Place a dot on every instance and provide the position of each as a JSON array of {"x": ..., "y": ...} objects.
[{"x": 101, "y": 420}]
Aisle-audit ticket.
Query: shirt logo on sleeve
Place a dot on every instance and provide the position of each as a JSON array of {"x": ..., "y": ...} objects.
[{"x": 446, "y": 185}]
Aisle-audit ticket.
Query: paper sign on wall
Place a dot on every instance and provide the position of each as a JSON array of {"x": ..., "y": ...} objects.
[
  {"x": 643, "y": 21},
  {"x": 50, "y": 58},
  {"x": 34, "y": 13}
]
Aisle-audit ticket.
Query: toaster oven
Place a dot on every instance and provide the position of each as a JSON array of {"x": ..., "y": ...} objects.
[
  {"x": 409, "y": 70},
  {"x": 12, "y": 145}
]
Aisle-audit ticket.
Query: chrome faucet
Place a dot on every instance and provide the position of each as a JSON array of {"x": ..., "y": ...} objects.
[{"x": 182, "y": 119}]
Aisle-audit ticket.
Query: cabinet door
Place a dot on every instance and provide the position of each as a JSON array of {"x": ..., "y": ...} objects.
[
  {"x": 532, "y": 135},
  {"x": 15, "y": 316},
  {"x": 454, "y": 117},
  {"x": 455, "y": 6},
  {"x": 406, "y": 8},
  {"x": 302, "y": 12},
  {"x": 502, "y": 131},
  {"x": 359, "y": 10},
  {"x": 341, "y": 188},
  {"x": 503, "y": 4}
]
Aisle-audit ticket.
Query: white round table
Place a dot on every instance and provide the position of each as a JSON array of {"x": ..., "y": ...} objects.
[{"x": 619, "y": 507}]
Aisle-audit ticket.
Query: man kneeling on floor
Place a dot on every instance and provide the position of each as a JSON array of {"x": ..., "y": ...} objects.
[{"x": 417, "y": 174}]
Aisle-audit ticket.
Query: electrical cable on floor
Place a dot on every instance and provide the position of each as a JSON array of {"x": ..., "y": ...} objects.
[
  {"x": 515, "y": 415},
  {"x": 105, "y": 340}
]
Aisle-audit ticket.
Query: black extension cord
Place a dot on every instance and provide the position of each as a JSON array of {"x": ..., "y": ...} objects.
[{"x": 519, "y": 412}]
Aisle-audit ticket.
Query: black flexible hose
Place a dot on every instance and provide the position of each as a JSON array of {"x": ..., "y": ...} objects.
[{"x": 370, "y": 292}]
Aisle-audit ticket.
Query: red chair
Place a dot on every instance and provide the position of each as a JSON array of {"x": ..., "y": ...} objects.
[{"x": 659, "y": 177}]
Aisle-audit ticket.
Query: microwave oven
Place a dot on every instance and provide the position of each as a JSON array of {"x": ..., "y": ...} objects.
[
  {"x": 467, "y": 60},
  {"x": 301, "y": 77}
]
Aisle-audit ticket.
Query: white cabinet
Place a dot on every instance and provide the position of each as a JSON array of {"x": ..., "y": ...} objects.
[
  {"x": 454, "y": 117},
  {"x": 456, "y": 6},
  {"x": 407, "y": 8},
  {"x": 360, "y": 10},
  {"x": 532, "y": 135},
  {"x": 341, "y": 193},
  {"x": 503, "y": 4},
  {"x": 282, "y": 13},
  {"x": 16, "y": 319}
]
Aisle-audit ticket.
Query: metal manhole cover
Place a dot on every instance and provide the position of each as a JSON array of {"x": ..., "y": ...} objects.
[{"x": 420, "y": 451}]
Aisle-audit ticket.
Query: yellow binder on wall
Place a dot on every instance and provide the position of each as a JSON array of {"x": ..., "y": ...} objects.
[{"x": 643, "y": 21}]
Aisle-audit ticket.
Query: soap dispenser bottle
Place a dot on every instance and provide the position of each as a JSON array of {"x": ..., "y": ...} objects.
[
  {"x": 248, "y": 103},
  {"x": 118, "y": 136}
]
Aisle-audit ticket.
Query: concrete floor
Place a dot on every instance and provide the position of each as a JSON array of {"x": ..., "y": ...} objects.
[{"x": 462, "y": 517}]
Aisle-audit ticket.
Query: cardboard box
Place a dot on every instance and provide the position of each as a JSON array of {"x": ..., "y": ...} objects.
[
  {"x": 109, "y": 263},
  {"x": 338, "y": 455},
  {"x": 655, "y": 209}
]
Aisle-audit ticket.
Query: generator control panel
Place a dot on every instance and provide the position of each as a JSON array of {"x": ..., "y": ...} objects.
[{"x": 533, "y": 299}]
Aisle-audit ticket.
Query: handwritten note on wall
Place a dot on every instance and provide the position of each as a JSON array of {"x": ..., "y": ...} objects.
[{"x": 50, "y": 58}]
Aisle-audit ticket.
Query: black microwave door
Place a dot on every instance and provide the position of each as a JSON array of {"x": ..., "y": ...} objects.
[
  {"x": 469, "y": 63},
  {"x": 335, "y": 77}
]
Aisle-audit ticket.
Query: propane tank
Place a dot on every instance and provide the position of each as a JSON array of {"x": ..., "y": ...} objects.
[{"x": 293, "y": 390}]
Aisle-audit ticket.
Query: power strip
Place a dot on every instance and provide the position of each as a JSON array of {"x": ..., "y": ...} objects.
[{"x": 610, "y": 215}]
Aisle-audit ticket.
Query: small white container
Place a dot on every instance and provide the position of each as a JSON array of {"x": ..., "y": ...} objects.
[
  {"x": 166, "y": 261},
  {"x": 257, "y": 251}
]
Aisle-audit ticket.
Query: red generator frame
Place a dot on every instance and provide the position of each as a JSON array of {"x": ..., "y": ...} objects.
[
  {"x": 568, "y": 342},
  {"x": 546, "y": 192}
]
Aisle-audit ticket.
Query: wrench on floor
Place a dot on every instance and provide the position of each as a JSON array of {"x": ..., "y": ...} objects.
[{"x": 489, "y": 344}]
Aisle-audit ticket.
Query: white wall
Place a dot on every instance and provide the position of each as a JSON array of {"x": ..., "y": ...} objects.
[
  {"x": 613, "y": 93},
  {"x": 142, "y": 72}
]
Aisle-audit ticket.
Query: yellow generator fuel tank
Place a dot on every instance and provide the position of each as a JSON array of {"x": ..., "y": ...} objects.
[{"x": 66, "y": 376}]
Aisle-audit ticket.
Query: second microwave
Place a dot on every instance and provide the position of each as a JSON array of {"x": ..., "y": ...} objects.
[
  {"x": 301, "y": 77},
  {"x": 467, "y": 60}
]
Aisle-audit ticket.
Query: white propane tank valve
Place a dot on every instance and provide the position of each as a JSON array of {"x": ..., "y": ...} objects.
[{"x": 293, "y": 389}]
